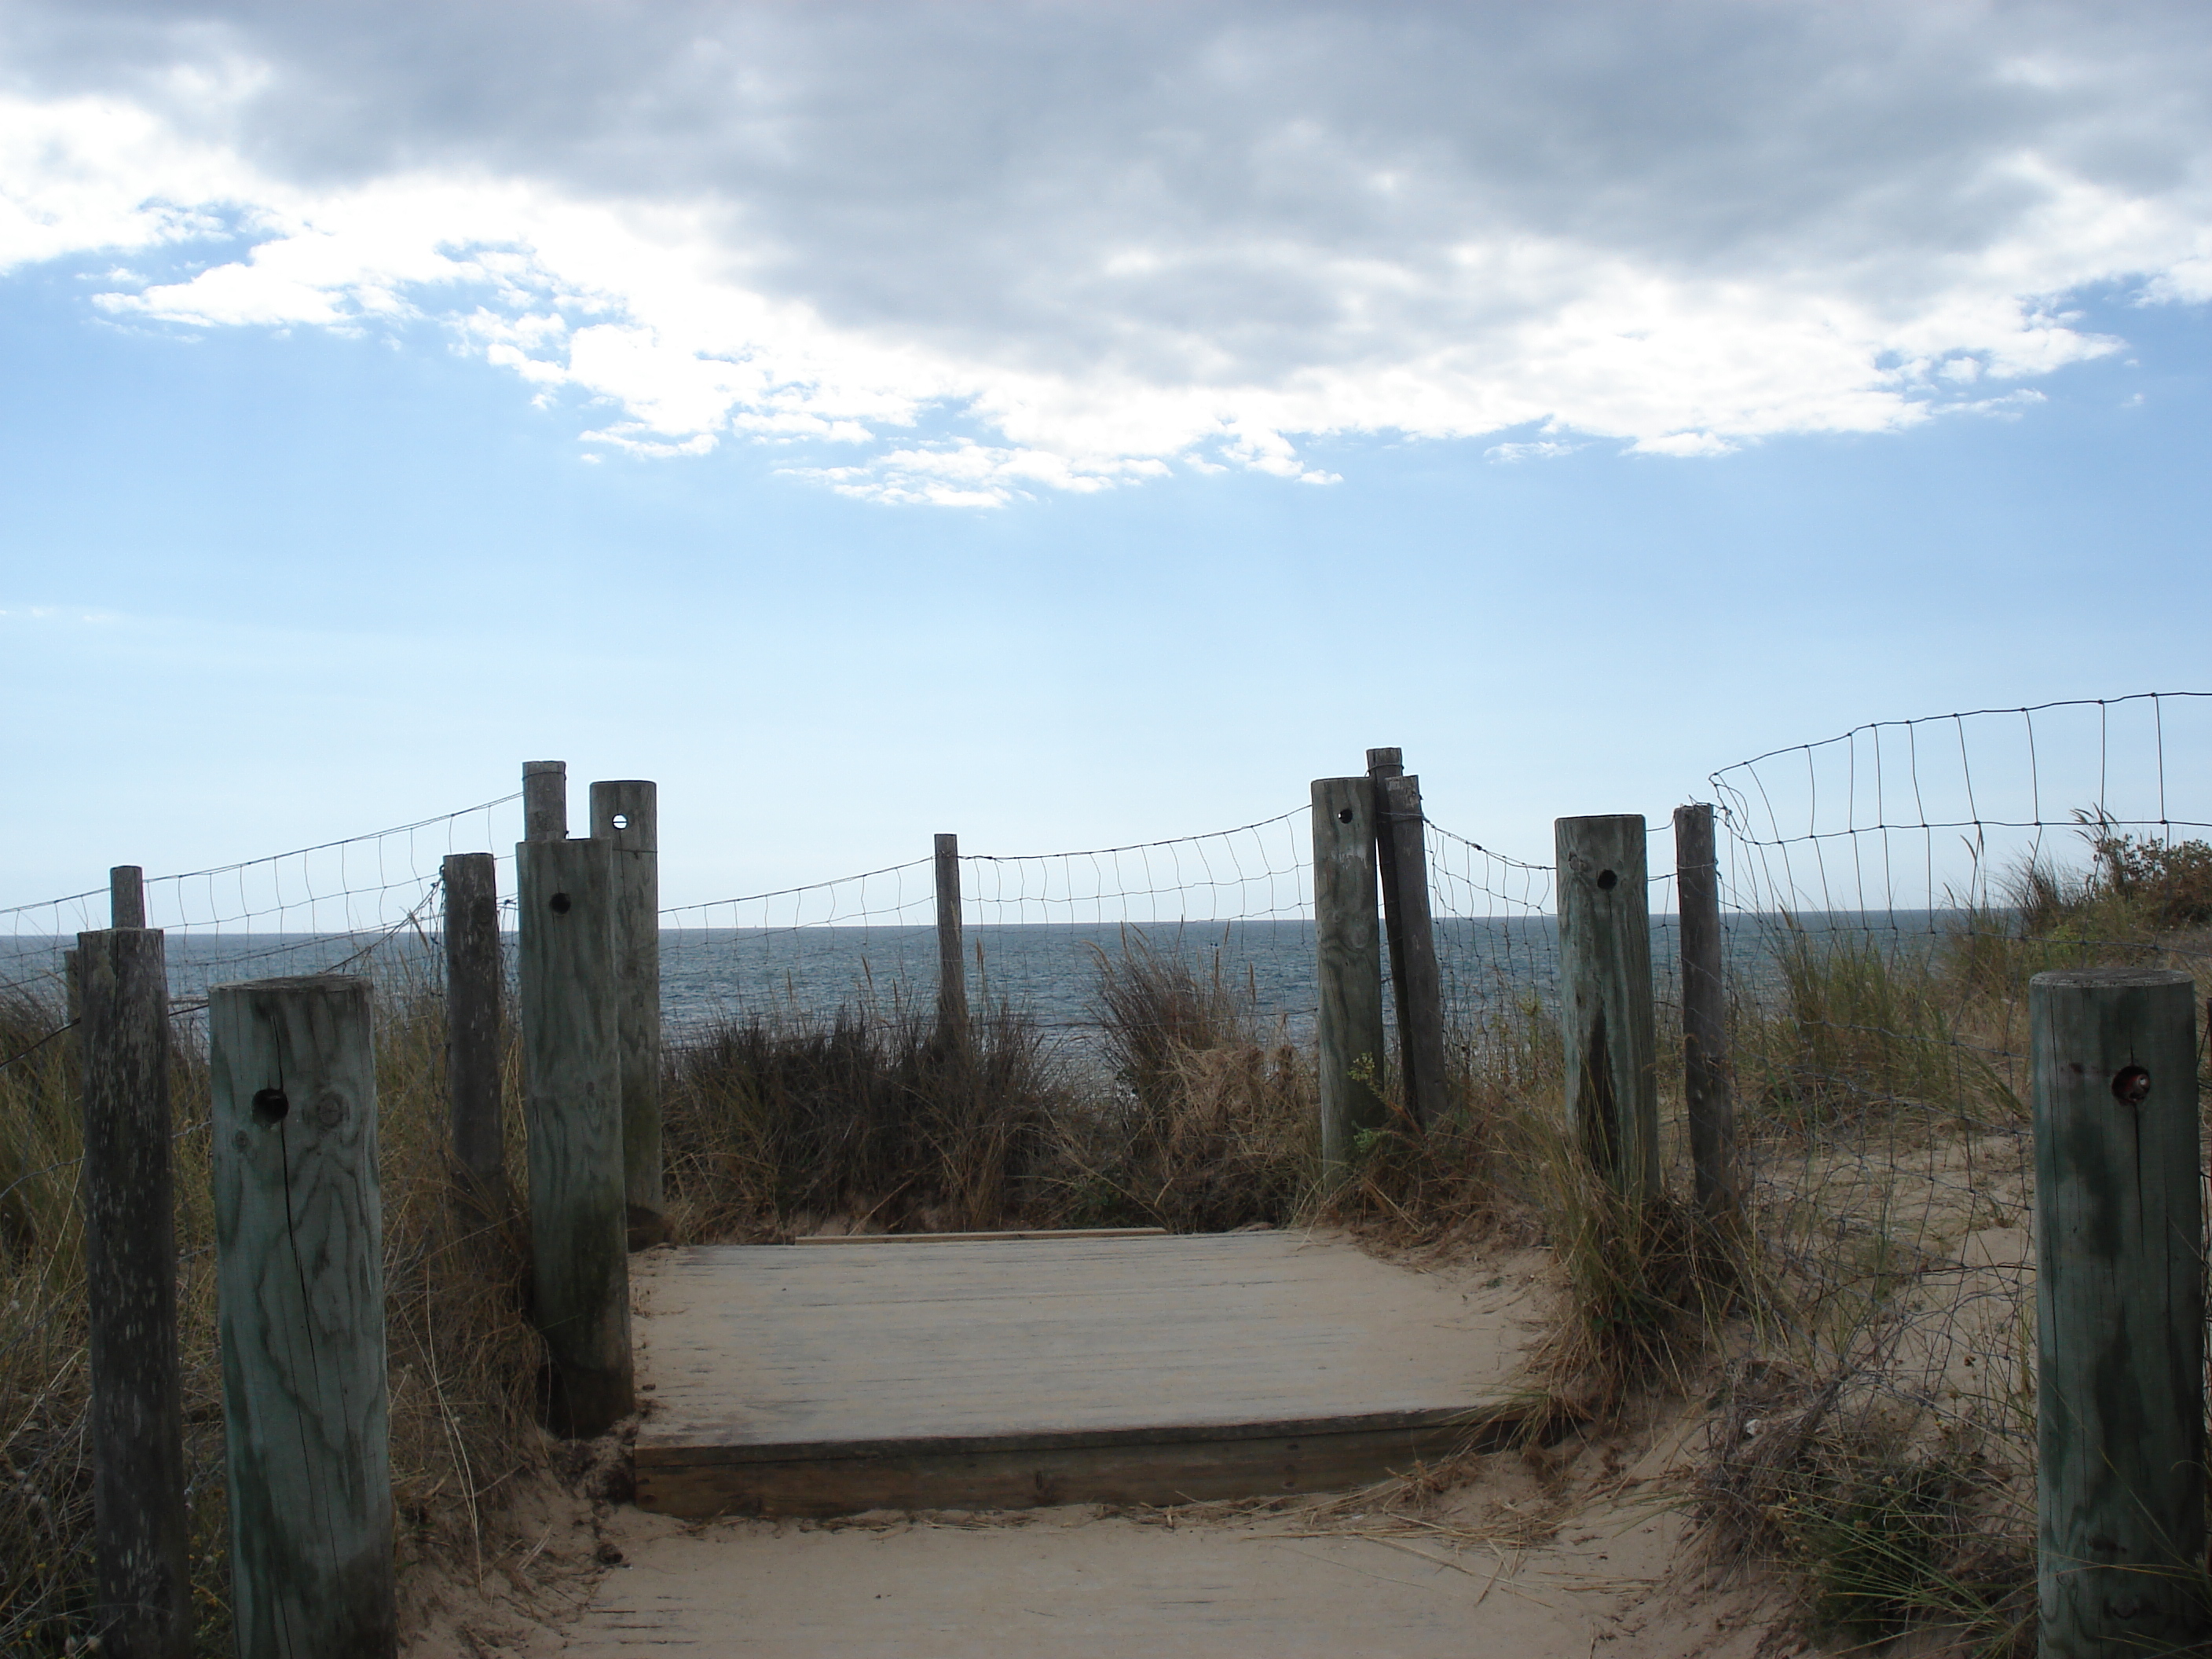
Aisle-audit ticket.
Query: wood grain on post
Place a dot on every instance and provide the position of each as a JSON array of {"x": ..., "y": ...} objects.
[
  {"x": 1383, "y": 765},
  {"x": 952, "y": 965},
  {"x": 626, "y": 815},
  {"x": 545, "y": 800},
  {"x": 299, "y": 1274},
  {"x": 139, "y": 1525},
  {"x": 1705, "y": 1088},
  {"x": 126, "y": 896},
  {"x": 1605, "y": 998},
  {"x": 2119, "y": 1230},
  {"x": 1348, "y": 952},
  {"x": 572, "y": 1099},
  {"x": 1419, "y": 986},
  {"x": 474, "y": 1033}
]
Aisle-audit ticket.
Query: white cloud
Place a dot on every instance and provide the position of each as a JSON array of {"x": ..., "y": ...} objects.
[{"x": 1078, "y": 248}]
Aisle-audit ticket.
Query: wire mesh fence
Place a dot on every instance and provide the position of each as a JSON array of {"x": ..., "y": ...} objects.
[{"x": 1890, "y": 893}]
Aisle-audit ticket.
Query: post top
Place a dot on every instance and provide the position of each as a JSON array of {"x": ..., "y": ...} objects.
[
  {"x": 2117, "y": 979},
  {"x": 1386, "y": 762},
  {"x": 531, "y": 767},
  {"x": 292, "y": 983}
]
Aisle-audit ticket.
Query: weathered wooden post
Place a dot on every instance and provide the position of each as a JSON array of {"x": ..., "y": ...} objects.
[
  {"x": 626, "y": 816},
  {"x": 2119, "y": 1230},
  {"x": 1401, "y": 847},
  {"x": 545, "y": 800},
  {"x": 300, "y": 1276},
  {"x": 952, "y": 965},
  {"x": 473, "y": 1034},
  {"x": 1348, "y": 953},
  {"x": 126, "y": 896},
  {"x": 1605, "y": 998},
  {"x": 139, "y": 1530},
  {"x": 1383, "y": 765},
  {"x": 1706, "y": 1089},
  {"x": 572, "y": 1099}
]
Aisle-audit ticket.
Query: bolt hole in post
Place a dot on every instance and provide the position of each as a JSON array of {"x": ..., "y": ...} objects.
[
  {"x": 1608, "y": 880},
  {"x": 558, "y": 904},
  {"x": 270, "y": 1106},
  {"x": 622, "y": 820},
  {"x": 2131, "y": 1085},
  {"x": 1344, "y": 815}
]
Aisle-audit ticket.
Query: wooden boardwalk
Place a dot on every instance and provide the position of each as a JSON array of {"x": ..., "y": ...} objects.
[{"x": 1002, "y": 1373}]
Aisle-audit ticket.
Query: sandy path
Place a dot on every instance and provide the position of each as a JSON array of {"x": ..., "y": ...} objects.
[{"x": 1067, "y": 1584}]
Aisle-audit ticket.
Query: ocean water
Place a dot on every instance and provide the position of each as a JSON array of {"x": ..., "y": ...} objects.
[{"x": 1049, "y": 971}]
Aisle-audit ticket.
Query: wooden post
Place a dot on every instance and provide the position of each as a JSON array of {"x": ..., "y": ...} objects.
[
  {"x": 1348, "y": 950},
  {"x": 951, "y": 965},
  {"x": 126, "y": 896},
  {"x": 473, "y": 1034},
  {"x": 1605, "y": 998},
  {"x": 1383, "y": 765},
  {"x": 298, "y": 1221},
  {"x": 1413, "y": 949},
  {"x": 572, "y": 1099},
  {"x": 2120, "y": 1313},
  {"x": 626, "y": 815},
  {"x": 139, "y": 1531},
  {"x": 545, "y": 800},
  {"x": 1706, "y": 1089}
]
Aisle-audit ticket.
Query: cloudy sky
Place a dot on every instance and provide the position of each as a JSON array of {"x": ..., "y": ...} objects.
[{"x": 1068, "y": 424}]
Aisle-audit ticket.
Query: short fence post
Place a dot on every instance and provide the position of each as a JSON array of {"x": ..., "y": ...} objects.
[
  {"x": 126, "y": 896},
  {"x": 1412, "y": 947},
  {"x": 1705, "y": 1090},
  {"x": 627, "y": 816},
  {"x": 139, "y": 1528},
  {"x": 572, "y": 1099},
  {"x": 1605, "y": 998},
  {"x": 299, "y": 1273},
  {"x": 473, "y": 1034},
  {"x": 545, "y": 800},
  {"x": 1348, "y": 1036},
  {"x": 2120, "y": 1312},
  {"x": 952, "y": 965}
]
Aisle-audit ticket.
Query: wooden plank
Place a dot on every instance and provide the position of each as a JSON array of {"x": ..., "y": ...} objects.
[
  {"x": 1348, "y": 948},
  {"x": 572, "y": 1100},
  {"x": 1314, "y": 1458},
  {"x": 139, "y": 1527},
  {"x": 974, "y": 1239},
  {"x": 1417, "y": 985},
  {"x": 1705, "y": 1093},
  {"x": 1605, "y": 997},
  {"x": 2119, "y": 1295},
  {"x": 626, "y": 815},
  {"x": 300, "y": 1275}
]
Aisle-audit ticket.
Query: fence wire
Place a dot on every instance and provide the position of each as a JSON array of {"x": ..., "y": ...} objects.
[{"x": 1888, "y": 895}]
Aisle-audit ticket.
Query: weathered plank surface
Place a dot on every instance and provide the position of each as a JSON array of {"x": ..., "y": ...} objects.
[
  {"x": 951, "y": 963},
  {"x": 1419, "y": 986},
  {"x": 545, "y": 800},
  {"x": 626, "y": 815},
  {"x": 126, "y": 896},
  {"x": 572, "y": 1100},
  {"x": 1605, "y": 997},
  {"x": 131, "y": 1294},
  {"x": 2120, "y": 1312},
  {"x": 1007, "y": 1373},
  {"x": 300, "y": 1275},
  {"x": 1348, "y": 952}
]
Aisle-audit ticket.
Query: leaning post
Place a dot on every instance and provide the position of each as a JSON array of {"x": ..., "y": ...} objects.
[
  {"x": 141, "y": 1567},
  {"x": 2120, "y": 1531},
  {"x": 951, "y": 965},
  {"x": 572, "y": 1101},
  {"x": 626, "y": 815},
  {"x": 473, "y": 1034},
  {"x": 1706, "y": 1091},
  {"x": 1605, "y": 998},
  {"x": 1416, "y": 984},
  {"x": 1348, "y": 961},
  {"x": 299, "y": 1277}
]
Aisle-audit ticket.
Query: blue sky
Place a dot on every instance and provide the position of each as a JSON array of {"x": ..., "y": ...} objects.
[{"x": 306, "y": 554}]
